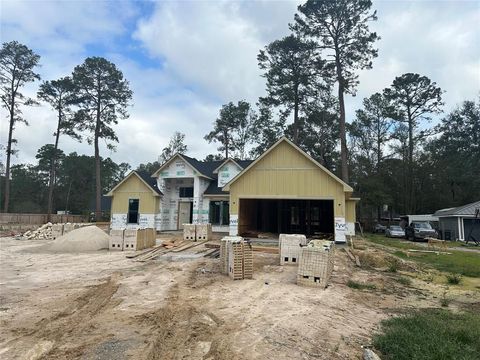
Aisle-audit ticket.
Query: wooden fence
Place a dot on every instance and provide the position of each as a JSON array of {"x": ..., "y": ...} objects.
[{"x": 37, "y": 219}]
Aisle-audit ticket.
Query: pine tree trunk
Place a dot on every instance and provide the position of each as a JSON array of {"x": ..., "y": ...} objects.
[
  {"x": 98, "y": 184},
  {"x": 9, "y": 152},
  {"x": 295, "y": 117},
  {"x": 51, "y": 181},
  {"x": 410, "y": 181},
  {"x": 343, "y": 133}
]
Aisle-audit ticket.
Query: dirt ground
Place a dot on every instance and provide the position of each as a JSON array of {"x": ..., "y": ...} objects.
[{"x": 104, "y": 306}]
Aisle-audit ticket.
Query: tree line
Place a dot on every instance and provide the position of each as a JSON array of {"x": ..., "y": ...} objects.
[
  {"x": 88, "y": 102},
  {"x": 389, "y": 152},
  {"x": 397, "y": 162}
]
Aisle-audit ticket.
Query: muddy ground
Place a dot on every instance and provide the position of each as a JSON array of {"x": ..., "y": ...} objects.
[{"x": 104, "y": 306}]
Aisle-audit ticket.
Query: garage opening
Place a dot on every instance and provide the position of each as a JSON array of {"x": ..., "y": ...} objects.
[{"x": 309, "y": 217}]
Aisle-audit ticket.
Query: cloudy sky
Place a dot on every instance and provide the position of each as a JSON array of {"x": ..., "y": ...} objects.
[{"x": 184, "y": 59}]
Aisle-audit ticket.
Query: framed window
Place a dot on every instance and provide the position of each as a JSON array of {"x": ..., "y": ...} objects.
[
  {"x": 133, "y": 206},
  {"x": 186, "y": 192},
  {"x": 219, "y": 213}
]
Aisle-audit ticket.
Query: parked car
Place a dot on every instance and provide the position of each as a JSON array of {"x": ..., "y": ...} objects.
[
  {"x": 394, "y": 231},
  {"x": 419, "y": 231},
  {"x": 379, "y": 228}
]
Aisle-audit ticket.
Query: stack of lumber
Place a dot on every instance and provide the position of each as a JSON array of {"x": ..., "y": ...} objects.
[{"x": 165, "y": 247}]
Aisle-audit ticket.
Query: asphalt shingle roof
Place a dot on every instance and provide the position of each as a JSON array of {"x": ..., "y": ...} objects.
[
  {"x": 213, "y": 189},
  {"x": 468, "y": 209},
  {"x": 152, "y": 182},
  {"x": 207, "y": 167}
]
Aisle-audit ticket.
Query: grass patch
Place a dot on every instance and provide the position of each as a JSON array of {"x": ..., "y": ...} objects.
[
  {"x": 360, "y": 286},
  {"x": 404, "y": 280},
  {"x": 459, "y": 262},
  {"x": 430, "y": 334},
  {"x": 454, "y": 279}
]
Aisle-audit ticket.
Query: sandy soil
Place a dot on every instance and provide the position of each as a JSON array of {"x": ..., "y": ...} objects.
[{"x": 104, "y": 306}]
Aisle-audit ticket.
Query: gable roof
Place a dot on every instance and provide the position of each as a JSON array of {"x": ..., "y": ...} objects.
[
  {"x": 206, "y": 169},
  {"x": 346, "y": 187},
  {"x": 150, "y": 182},
  {"x": 242, "y": 164},
  {"x": 468, "y": 210}
]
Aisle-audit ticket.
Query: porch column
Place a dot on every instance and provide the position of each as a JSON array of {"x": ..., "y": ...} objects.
[{"x": 460, "y": 232}]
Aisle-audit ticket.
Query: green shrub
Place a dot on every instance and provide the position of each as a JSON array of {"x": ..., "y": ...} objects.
[
  {"x": 356, "y": 285},
  {"x": 430, "y": 334},
  {"x": 454, "y": 279}
]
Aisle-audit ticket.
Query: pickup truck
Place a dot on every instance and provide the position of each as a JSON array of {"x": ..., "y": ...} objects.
[{"x": 418, "y": 230}]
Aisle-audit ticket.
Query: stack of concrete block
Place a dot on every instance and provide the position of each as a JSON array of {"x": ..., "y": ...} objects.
[
  {"x": 236, "y": 258},
  {"x": 130, "y": 239},
  {"x": 189, "y": 232},
  {"x": 116, "y": 240},
  {"x": 203, "y": 232},
  {"x": 57, "y": 230},
  {"x": 141, "y": 239},
  {"x": 247, "y": 260},
  {"x": 51, "y": 231},
  {"x": 68, "y": 227},
  {"x": 316, "y": 263},
  {"x": 290, "y": 248},
  {"x": 150, "y": 237}
]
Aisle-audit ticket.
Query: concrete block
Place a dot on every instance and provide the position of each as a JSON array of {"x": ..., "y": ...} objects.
[
  {"x": 316, "y": 263},
  {"x": 130, "y": 239},
  {"x": 68, "y": 227},
  {"x": 189, "y": 232},
  {"x": 57, "y": 230},
  {"x": 290, "y": 247},
  {"x": 236, "y": 258},
  {"x": 116, "y": 240},
  {"x": 203, "y": 232}
]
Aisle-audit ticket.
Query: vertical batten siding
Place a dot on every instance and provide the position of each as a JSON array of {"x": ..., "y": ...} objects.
[
  {"x": 286, "y": 173},
  {"x": 351, "y": 211}
]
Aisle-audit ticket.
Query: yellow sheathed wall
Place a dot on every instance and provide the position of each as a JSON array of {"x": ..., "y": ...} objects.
[
  {"x": 351, "y": 211},
  {"x": 134, "y": 188},
  {"x": 285, "y": 173}
]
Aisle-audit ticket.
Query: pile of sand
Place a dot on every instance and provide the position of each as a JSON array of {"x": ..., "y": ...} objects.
[{"x": 88, "y": 238}]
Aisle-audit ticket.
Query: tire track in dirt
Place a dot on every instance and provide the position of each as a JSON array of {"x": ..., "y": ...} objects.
[
  {"x": 184, "y": 329},
  {"x": 75, "y": 324}
]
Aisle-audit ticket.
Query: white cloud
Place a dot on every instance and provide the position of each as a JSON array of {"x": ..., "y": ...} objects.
[{"x": 185, "y": 59}]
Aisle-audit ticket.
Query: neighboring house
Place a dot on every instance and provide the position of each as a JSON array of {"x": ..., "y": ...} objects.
[
  {"x": 460, "y": 222},
  {"x": 283, "y": 190}
]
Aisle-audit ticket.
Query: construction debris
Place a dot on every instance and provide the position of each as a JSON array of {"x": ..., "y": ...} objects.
[
  {"x": 316, "y": 263},
  {"x": 51, "y": 231}
]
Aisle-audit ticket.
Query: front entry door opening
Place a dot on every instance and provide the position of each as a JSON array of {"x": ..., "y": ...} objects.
[
  {"x": 185, "y": 213},
  {"x": 288, "y": 216}
]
